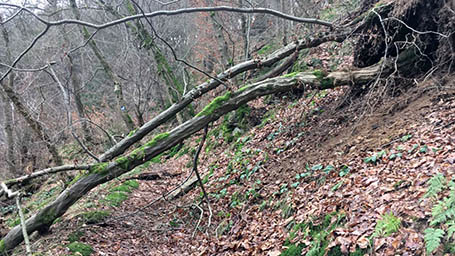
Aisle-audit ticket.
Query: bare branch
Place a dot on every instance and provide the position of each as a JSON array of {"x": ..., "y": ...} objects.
[
  {"x": 28, "y": 69},
  {"x": 8, "y": 192},
  {"x": 22, "y": 54},
  {"x": 176, "y": 12},
  {"x": 24, "y": 228},
  {"x": 43, "y": 172}
]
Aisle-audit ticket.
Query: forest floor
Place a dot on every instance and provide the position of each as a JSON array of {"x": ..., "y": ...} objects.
[{"x": 313, "y": 178}]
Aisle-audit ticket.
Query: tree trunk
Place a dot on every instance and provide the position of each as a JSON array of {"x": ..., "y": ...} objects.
[
  {"x": 223, "y": 48},
  {"x": 9, "y": 122},
  {"x": 75, "y": 65},
  {"x": 122, "y": 108},
  {"x": 36, "y": 126}
]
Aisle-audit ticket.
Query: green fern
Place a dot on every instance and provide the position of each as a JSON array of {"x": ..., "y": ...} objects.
[
  {"x": 437, "y": 184},
  {"x": 443, "y": 213},
  {"x": 451, "y": 229},
  {"x": 387, "y": 225},
  {"x": 433, "y": 238},
  {"x": 443, "y": 210}
]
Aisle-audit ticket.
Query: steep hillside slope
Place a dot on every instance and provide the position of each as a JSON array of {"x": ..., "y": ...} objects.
[{"x": 311, "y": 178}]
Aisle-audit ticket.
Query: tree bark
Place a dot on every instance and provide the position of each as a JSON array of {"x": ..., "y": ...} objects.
[
  {"x": 8, "y": 114},
  {"x": 223, "y": 48}
]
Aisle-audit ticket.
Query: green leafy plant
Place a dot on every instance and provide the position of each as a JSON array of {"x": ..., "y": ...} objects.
[
  {"x": 386, "y": 226},
  {"x": 344, "y": 171},
  {"x": 442, "y": 214},
  {"x": 436, "y": 184},
  {"x": 375, "y": 158},
  {"x": 406, "y": 137},
  {"x": 319, "y": 235},
  {"x": 80, "y": 248},
  {"x": 433, "y": 238}
]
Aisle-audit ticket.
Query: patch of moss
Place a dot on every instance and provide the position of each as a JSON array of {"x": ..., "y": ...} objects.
[
  {"x": 327, "y": 83},
  {"x": 57, "y": 220},
  {"x": 293, "y": 74},
  {"x": 138, "y": 153},
  {"x": 93, "y": 217},
  {"x": 319, "y": 74},
  {"x": 127, "y": 186},
  {"x": 132, "y": 183},
  {"x": 75, "y": 179},
  {"x": 215, "y": 104},
  {"x": 123, "y": 162},
  {"x": 47, "y": 216},
  {"x": 243, "y": 88},
  {"x": 13, "y": 222},
  {"x": 132, "y": 133},
  {"x": 265, "y": 49},
  {"x": 100, "y": 168},
  {"x": 116, "y": 198},
  {"x": 157, "y": 138},
  {"x": 83, "y": 249},
  {"x": 157, "y": 159},
  {"x": 75, "y": 236},
  {"x": 2, "y": 246}
]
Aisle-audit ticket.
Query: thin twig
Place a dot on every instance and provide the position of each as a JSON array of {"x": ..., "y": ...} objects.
[
  {"x": 195, "y": 161},
  {"x": 24, "y": 227},
  {"x": 199, "y": 221},
  {"x": 67, "y": 103}
]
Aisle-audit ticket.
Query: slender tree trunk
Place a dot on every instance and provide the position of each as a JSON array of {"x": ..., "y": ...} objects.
[
  {"x": 223, "y": 47},
  {"x": 174, "y": 88},
  {"x": 118, "y": 90},
  {"x": 75, "y": 65},
  {"x": 20, "y": 107},
  {"x": 9, "y": 122}
]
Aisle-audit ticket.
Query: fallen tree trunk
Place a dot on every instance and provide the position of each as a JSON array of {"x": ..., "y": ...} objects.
[{"x": 103, "y": 172}]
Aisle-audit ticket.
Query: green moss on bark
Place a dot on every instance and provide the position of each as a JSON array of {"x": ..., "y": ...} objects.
[
  {"x": 293, "y": 74},
  {"x": 100, "y": 168},
  {"x": 2, "y": 246},
  {"x": 215, "y": 104},
  {"x": 157, "y": 138},
  {"x": 325, "y": 82},
  {"x": 123, "y": 162},
  {"x": 319, "y": 74},
  {"x": 48, "y": 216},
  {"x": 242, "y": 89}
]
